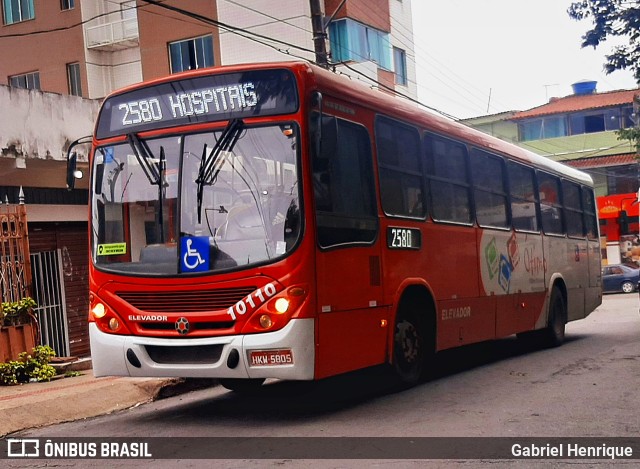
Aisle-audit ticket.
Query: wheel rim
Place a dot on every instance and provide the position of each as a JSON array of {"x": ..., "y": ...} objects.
[
  {"x": 627, "y": 287},
  {"x": 408, "y": 345}
]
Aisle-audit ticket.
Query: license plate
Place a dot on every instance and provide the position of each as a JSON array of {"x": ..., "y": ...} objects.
[{"x": 271, "y": 357}]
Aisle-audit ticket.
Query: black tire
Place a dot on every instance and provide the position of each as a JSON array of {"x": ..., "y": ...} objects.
[
  {"x": 628, "y": 287},
  {"x": 410, "y": 346},
  {"x": 242, "y": 386},
  {"x": 553, "y": 334}
]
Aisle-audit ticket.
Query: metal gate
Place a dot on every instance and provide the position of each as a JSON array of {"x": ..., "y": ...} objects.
[
  {"x": 14, "y": 253},
  {"x": 48, "y": 292}
]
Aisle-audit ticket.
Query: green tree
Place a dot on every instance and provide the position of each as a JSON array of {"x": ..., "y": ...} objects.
[{"x": 612, "y": 18}]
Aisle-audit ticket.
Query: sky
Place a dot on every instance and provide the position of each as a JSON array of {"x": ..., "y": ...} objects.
[{"x": 479, "y": 57}]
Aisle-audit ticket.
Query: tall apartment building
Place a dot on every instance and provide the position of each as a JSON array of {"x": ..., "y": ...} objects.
[
  {"x": 57, "y": 52},
  {"x": 89, "y": 48}
]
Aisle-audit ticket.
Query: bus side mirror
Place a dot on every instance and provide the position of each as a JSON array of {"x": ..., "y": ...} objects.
[{"x": 72, "y": 171}]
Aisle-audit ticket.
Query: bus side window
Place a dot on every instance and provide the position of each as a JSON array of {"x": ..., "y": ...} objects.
[
  {"x": 401, "y": 181},
  {"x": 490, "y": 195},
  {"x": 448, "y": 174},
  {"x": 550, "y": 203},
  {"x": 589, "y": 209},
  {"x": 573, "y": 209},
  {"x": 524, "y": 197},
  {"x": 344, "y": 188}
]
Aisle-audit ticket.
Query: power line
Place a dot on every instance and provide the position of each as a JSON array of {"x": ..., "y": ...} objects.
[
  {"x": 244, "y": 34},
  {"x": 65, "y": 28},
  {"x": 227, "y": 27}
]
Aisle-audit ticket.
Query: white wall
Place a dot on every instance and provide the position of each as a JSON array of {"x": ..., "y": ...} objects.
[
  {"x": 38, "y": 125},
  {"x": 292, "y": 25},
  {"x": 402, "y": 37},
  {"x": 113, "y": 69}
]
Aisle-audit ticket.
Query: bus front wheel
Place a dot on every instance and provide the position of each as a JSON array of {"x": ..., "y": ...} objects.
[{"x": 409, "y": 347}]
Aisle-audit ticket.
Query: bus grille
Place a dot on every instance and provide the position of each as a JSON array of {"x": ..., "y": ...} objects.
[
  {"x": 198, "y": 354},
  {"x": 185, "y": 301}
]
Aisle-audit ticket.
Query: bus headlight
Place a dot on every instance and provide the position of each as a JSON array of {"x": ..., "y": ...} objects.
[
  {"x": 282, "y": 305},
  {"x": 99, "y": 311}
]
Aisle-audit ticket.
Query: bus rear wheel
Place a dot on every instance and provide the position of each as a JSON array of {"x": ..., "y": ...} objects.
[
  {"x": 242, "y": 386},
  {"x": 553, "y": 334},
  {"x": 409, "y": 347}
]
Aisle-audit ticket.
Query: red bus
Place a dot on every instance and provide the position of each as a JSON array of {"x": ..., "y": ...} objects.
[{"x": 280, "y": 221}]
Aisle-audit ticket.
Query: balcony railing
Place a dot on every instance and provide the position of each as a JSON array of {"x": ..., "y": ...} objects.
[{"x": 114, "y": 35}]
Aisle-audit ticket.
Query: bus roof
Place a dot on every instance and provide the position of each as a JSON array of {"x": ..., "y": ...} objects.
[
  {"x": 410, "y": 112},
  {"x": 397, "y": 107}
]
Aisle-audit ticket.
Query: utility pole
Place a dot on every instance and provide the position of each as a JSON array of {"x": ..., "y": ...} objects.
[{"x": 319, "y": 34}]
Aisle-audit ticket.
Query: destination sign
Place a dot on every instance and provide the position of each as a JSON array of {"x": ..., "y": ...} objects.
[{"x": 202, "y": 99}]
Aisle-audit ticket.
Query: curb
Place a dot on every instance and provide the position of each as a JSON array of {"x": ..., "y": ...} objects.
[{"x": 35, "y": 405}]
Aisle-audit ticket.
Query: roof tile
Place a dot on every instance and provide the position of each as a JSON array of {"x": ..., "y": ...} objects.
[{"x": 580, "y": 103}]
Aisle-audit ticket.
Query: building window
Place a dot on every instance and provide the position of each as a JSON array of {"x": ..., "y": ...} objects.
[
  {"x": 75, "y": 82},
  {"x": 128, "y": 10},
  {"x": 548, "y": 127},
  {"x": 16, "y": 11},
  {"x": 400, "y": 66},
  {"x": 28, "y": 81},
  {"x": 67, "y": 4},
  {"x": 191, "y": 54},
  {"x": 622, "y": 179},
  {"x": 577, "y": 123},
  {"x": 353, "y": 41}
]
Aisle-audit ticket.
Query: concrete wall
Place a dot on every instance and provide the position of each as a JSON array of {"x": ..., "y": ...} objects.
[
  {"x": 286, "y": 20},
  {"x": 402, "y": 37},
  {"x": 36, "y": 129}
]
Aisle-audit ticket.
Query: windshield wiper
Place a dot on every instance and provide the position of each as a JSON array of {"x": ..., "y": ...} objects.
[
  {"x": 153, "y": 170},
  {"x": 145, "y": 158},
  {"x": 211, "y": 163}
]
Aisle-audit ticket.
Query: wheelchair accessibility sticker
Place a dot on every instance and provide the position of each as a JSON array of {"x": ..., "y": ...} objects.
[{"x": 194, "y": 254}]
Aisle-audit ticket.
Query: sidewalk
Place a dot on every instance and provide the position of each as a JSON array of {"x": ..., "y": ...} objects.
[{"x": 65, "y": 399}]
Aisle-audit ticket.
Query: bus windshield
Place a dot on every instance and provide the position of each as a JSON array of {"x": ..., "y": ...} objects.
[{"x": 200, "y": 202}]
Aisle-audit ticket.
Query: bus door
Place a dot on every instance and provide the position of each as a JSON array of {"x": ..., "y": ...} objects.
[{"x": 349, "y": 286}]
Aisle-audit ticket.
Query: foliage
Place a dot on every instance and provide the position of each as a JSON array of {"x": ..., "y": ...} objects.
[
  {"x": 26, "y": 368},
  {"x": 632, "y": 134},
  {"x": 612, "y": 18},
  {"x": 14, "y": 313}
]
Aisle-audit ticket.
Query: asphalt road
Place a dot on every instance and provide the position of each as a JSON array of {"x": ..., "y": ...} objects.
[{"x": 586, "y": 388}]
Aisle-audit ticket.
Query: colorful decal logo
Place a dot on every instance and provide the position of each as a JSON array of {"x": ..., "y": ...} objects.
[
  {"x": 514, "y": 252},
  {"x": 505, "y": 273},
  {"x": 512, "y": 262},
  {"x": 498, "y": 264},
  {"x": 194, "y": 254},
  {"x": 491, "y": 257}
]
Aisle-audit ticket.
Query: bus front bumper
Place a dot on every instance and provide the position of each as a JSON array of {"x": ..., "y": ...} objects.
[{"x": 288, "y": 353}]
